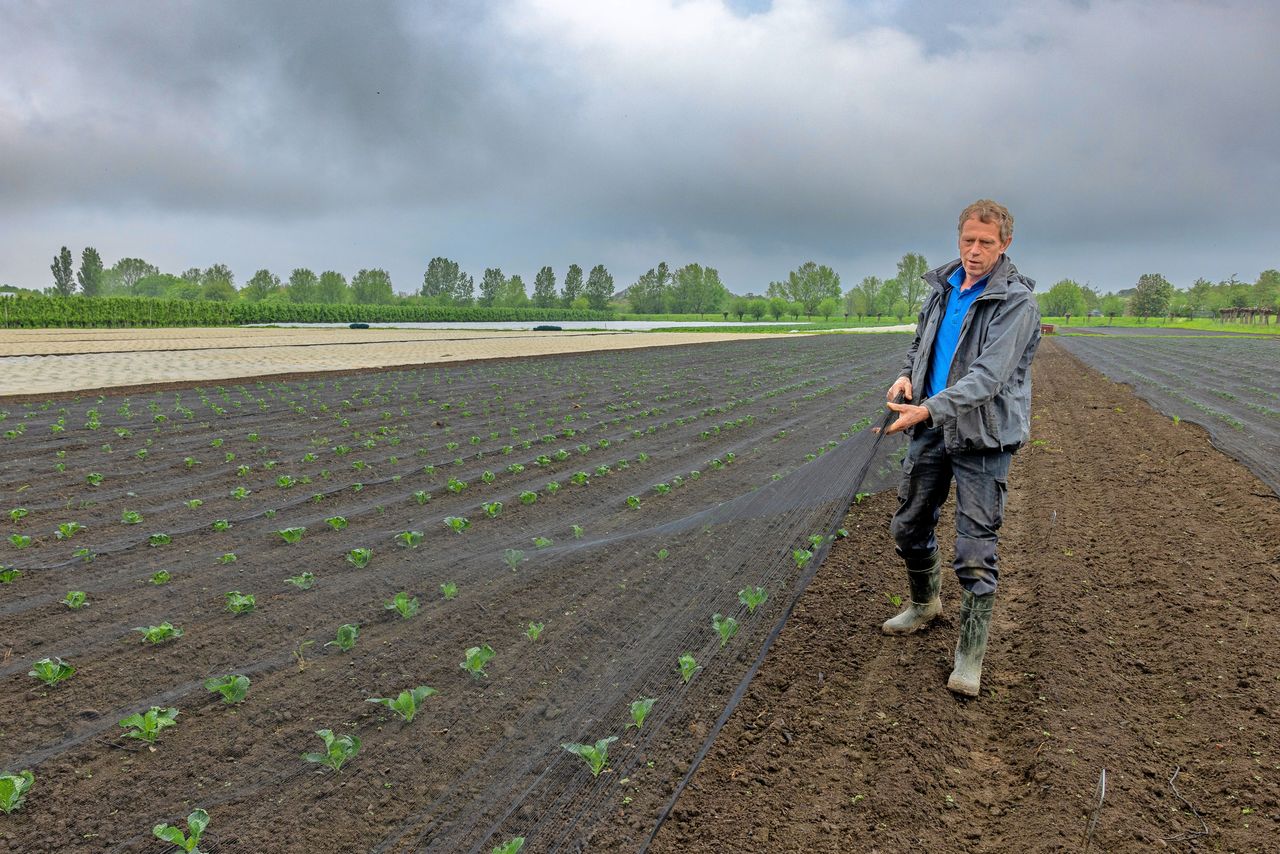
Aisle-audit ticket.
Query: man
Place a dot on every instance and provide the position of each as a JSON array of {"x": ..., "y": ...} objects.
[{"x": 970, "y": 367}]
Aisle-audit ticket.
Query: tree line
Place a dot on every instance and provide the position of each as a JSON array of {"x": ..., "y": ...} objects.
[{"x": 1155, "y": 296}]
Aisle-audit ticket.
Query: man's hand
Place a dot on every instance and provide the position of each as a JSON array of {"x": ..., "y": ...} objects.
[
  {"x": 901, "y": 387},
  {"x": 908, "y": 415}
]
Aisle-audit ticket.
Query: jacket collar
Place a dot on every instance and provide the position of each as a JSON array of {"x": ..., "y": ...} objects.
[{"x": 1002, "y": 275}]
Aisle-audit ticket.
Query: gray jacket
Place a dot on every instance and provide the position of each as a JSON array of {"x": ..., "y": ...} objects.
[{"x": 987, "y": 401}]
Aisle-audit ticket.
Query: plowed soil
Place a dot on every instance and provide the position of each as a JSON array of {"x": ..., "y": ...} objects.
[{"x": 1135, "y": 632}]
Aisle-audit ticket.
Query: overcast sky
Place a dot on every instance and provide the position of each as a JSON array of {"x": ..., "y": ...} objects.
[{"x": 1127, "y": 137}]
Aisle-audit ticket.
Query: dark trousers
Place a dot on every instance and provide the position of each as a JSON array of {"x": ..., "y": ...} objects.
[{"x": 981, "y": 487}]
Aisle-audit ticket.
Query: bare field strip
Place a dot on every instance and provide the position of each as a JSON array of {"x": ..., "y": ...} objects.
[{"x": 61, "y": 360}]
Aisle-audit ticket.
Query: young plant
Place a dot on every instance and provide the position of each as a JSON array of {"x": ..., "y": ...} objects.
[
  {"x": 189, "y": 842},
  {"x": 407, "y": 704},
  {"x": 752, "y": 598},
  {"x": 51, "y": 671},
  {"x": 476, "y": 659},
  {"x": 457, "y": 524},
  {"x": 221, "y": 525},
  {"x": 14, "y": 788},
  {"x": 409, "y": 539},
  {"x": 577, "y": 531},
  {"x": 76, "y": 599},
  {"x": 131, "y": 517},
  {"x": 633, "y": 501},
  {"x": 347, "y": 634},
  {"x": 639, "y": 711},
  {"x": 422, "y": 496},
  {"x": 148, "y": 725},
  {"x": 304, "y": 581},
  {"x": 359, "y": 557},
  {"x": 579, "y": 478},
  {"x": 455, "y": 486},
  {"x": 93, "y": 478},
  {"x": 233, "y": 687},
  {"x": 227, "y": 557},
  {"x": 240, "y": 493},
  {"x": 159, "y": 540},
  {"x": 67, "y": 530},
  {"x": 511, "y": 846},
  {"x": 159, "y": 634},
  {"x": 194, "y": 503},
  {"x": 541, "y": 542},
  {"x": 801, "y": 557},
  {"x": 552, "y": 488},
  {"x": 449, "y": 590},
  {"x": 403, "y": 604},
  {"x": 338, "y": 749},
  {"x": 291, "y": 535},
  {"x": 160, "y": 577},
  {"x": 688, "y": 666},
  {"x": 8, "y": 575},
  {"x": 534, "y": 631},
  {"x": 528, "y": 497},
  {"x": 726, "y": 627},
  {"x": 492, "y": 509},
  {"x": 337, "y": 523},
  {"x": 595, "y": 755},
  {"x": 513, "y": 557},
  {"x": 17, "y": 514},
  {"x": 19, "y": 541},
  {"x": 240, "y": 603},
  {"x": 662, "y": 554}
]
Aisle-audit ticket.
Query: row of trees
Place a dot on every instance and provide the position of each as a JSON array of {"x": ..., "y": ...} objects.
[{"x": 1155, "y": 296}]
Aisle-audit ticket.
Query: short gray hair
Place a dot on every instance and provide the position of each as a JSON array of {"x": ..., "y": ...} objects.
[{"x": 985, "y": 210}]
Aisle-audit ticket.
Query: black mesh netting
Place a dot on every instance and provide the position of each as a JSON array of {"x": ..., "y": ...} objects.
[{"x": 657, "y": 485}]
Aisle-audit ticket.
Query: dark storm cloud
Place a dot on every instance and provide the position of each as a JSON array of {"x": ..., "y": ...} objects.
[{"x": 750, "y": 135}]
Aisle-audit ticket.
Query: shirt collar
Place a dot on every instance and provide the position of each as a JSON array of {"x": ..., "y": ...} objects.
[{"x": 956, "y": 279}]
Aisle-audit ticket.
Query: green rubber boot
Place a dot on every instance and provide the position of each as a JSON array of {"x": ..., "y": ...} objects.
[
  {"x": 975, "y": 619},
  {"x": 924, "y": 579}
]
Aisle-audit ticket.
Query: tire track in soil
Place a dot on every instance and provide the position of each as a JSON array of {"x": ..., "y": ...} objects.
[{"x": 1135, "y": 630}]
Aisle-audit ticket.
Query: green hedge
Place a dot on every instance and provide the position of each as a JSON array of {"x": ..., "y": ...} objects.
[{"x": 36, "y": 312}]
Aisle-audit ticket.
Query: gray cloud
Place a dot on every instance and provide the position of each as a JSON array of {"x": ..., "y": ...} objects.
[{"x": 1126, "y": 136}]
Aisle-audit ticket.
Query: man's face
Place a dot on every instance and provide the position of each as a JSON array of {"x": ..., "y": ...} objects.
[{"x": 980, "y": 247}]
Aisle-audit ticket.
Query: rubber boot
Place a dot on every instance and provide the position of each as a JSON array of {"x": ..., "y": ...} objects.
[
  {"x": 975, "y": 619},
  {"x": 924, "y": 578}
]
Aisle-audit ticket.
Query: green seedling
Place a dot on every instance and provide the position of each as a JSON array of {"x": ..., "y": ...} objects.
[
  {"x": 894, "y": 599},
  {"x": 492, "y": 509},
  {"x": 633, "y": 501},
  {"x": 227, "y": 557},
  {"x": 194, "y": 504},
  {"x": 131, "y": 517},
  {"x": 449, "y": 590},
  {"x": 159, "y": 540},
  {"x": 93, "y": 478},
  {"x": 579, "y": 478},
  {"x": 14, "y": 788},
  {"x": 511, "y": 846},
  {"x": 801, "y": 557},
  {"x": 51, "y": 671},
  {"x": 662, "y": 488},
  {"x": 457, "y": 524},
  {"x": 455, "y": 486},
  {"x": 304, "y": 581},
  {"x": 8, "y": 575},
  {"x": 221, "y": 525},
  {"x": 359, "y": 558},
  {"x": 662, "y": 554},
  {"x": 402, "y": 604},
  {"x": 488, "y": 477},
  {"x": 337, "y": 523},
  {"x": 338, "y": 749},
  {"x": 240, "y": 493},
  {"x": 476, "y": 659},
  {"x": 422, "y": 496},
  {"x": 528, "y": 497},
  {"x": 189, "y": 842},
  {"x": 160, "y": 577},
  {"x": 240, "y": 603},
  {"x": 409, "y": 539},
  {"x": 148, "y": 725},
  {"x": 688, "y": 666},
  {"x": 513, "y": 557},
  {"x": 233, "y": 687},
  {"x": 291, "y": 535},
  {"x": 577, "y": 531},
  {"x": 76, "y": 599},
  {"x": 639, "y": 711},
  {"x": 726, "y": 627},
  {"x": 19, "y": 541},
  {"x": 541, "y": 542},
  {"x": 553, "y": 487},
  {"x": 17, "y": 513},
  {"x": 407, "y": 704},
  {"x": 816, "y": 540},
  {"x": 752, "y": 598},
  {"x": 159, "y": 634},
  {"x": 861, "y": 497},
  {"x": 347, "y": 634},
  {"x": 534, "y": 631},
  {"x": 595, "y": 755},
  {"x": 67, "y": 530},
  {"x": 515, "y": 468},
  {"x": 286, "y": 481}
]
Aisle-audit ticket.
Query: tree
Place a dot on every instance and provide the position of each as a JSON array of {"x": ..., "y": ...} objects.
[
  {"x": 599, "y": 288},
  {"x": 739, "y": 306},
  {"x": 1112, "y": 305},
  {"x": 1063, "y": 299},
  {"x": 544, "y": 288},
  {"x": 869, "y": 291},
  {"x": 810, "y": 284},
  {"x": 888, "y": 297},
  {"x": 778, "y": 306},
  {"x": 216, "y": 271},
  {"x": 910, "y": 270},
  {"x": 855, "y": 303},
  {"x": 1151, "y": 298},
  {"x": 651, "y": 292},
  {"x": 372, "y": 287},
  {"x": 491, "y": 285},
  {"x": 828, "y": 307},
  {"x": 1199, "y": 296},
  {"x": 332, "y": 288},
  {"x": 90, "y": 275},
  {"x": 155, "y": 285},
  {"x": 64, "y": 283},
  {"x": 757, "y": 307},
  {"x": 444, "y": 281},
  {"x": 513, "y": 293},
  {"x": 697, "y": 290},
  {"x": 259, "y": 287},
  {"x": 572, "y": 285},
  {"x": 127, "y": 272},
  {"x": 303, "y": 285},
  {"x": 218, "y": 290},
  {"x": 1266, "y": 291}
]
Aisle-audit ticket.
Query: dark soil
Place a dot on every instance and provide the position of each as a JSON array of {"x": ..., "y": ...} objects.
[{"x": 1135, "y": 632}]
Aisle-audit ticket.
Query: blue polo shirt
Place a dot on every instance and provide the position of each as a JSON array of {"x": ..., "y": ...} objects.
[{"x": 948, "y": 337}]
